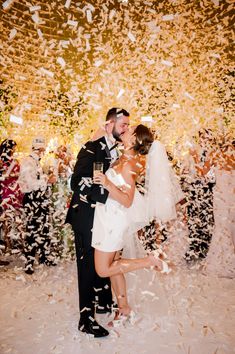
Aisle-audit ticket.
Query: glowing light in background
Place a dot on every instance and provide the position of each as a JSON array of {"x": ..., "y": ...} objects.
[{"x": 169, "y": 59}]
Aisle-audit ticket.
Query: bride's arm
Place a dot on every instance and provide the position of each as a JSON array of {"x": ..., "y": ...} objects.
[{"x": 125, "y": 195}]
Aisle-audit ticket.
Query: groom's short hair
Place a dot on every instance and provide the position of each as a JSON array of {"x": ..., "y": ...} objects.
[{"x": 115, "y": 113}]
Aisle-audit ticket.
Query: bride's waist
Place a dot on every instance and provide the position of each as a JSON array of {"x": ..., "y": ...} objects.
[
  {"x": 138, "y": 198},
  {"x": 113, "y": 202}
]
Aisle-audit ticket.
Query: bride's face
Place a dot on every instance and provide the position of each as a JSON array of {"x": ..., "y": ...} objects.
[{"x": 129, "y": 138}]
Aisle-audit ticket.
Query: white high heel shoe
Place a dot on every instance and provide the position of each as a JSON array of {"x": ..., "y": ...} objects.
[
  {"x": 122, "y": 320},
  {"x": 165, "y": 267}
]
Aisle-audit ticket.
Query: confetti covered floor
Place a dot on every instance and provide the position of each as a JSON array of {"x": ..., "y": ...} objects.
[{"x": 183, "y": 312}]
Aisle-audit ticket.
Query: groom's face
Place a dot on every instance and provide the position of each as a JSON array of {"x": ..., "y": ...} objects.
[{"x": 120, "y": 127}]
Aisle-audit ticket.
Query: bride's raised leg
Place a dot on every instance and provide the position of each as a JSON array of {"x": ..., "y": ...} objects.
[{"x": 106, "y": 265}]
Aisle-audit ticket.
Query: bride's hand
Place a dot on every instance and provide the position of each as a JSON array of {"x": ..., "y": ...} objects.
[{"x": 100, "y": 178}]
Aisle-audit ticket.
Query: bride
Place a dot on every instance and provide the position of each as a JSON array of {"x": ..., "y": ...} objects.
[{"x": 125, "y": 210}]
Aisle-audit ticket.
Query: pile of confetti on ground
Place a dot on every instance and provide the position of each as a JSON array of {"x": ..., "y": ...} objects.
[{"x": 184, "y": 312}]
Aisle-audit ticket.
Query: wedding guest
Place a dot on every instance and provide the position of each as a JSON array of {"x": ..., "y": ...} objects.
[
  {"x": 61, "y": 167},
  {"x": 10, "y": 193},
  {"x": 36, "y": 188},
  {"x": 199, "y": 184}
]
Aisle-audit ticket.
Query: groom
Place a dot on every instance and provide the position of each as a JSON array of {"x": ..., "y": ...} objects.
[{"x": 94, "y": 292}]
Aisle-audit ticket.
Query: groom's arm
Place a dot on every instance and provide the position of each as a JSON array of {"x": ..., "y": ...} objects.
[{"x": 83, "y": 166}]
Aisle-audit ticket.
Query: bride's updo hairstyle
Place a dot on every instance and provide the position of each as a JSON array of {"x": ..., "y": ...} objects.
[{"x": 144, "y": 139}]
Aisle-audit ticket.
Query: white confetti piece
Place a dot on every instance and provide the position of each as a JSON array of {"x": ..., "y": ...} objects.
[
  {"x": 89, "y": 7},
  {"x": 147, "y": 292},
  {"x": 215, "y": 2},
  {"x": 34, "y": 8},
  {"x": 112, "y": 14},
  {"x": 52, "y": 302},
  {"x": 61, "y": 61},
  {"x": 120, "y": 93},
  {"x": 7, "y": 4},
  {"x": 88, "y": 47},
  {"x": 215, "y": 55},
  {"x": 186, "y": 94},
  {"x": 40, "y": 34},
  {"x": 72, "y": 23},
  {"x": 149, "y": 61},
  {"x": 103, "y": 146},
  {"x": 168, "y": 17},
  {"x": 46, "y": 72},
  {"x": 89, "y": 16},
  {"x": 175, "y": 105},
  {"x": 21, "y": 277},
  {"x": 13, "y": 33},
  {"x": 36, "y": 18},
  {"x": 67, "y": 4},
  {"x": 98, "y": 63},
  {"x": 146, "y": 119},
  {"x": 97, "y": 289},
  {"x": 64, "y": 43},
  {"x": 15, "y": 119},
  {"x": 28, "y": 106},
  {"x": 152, "y": 26},
  {"x": 167, "y": 63},
  {"x": 219, "y": 110},
  {"x": 131, "y": 37}
]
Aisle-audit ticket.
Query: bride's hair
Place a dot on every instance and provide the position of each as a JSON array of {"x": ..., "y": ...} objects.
[{"x": 144, "y": 139}]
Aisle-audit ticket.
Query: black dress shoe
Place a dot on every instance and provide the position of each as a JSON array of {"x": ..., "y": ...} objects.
[
  {"x": 50, "y": 263},
  {"x": 2, "y": 245},
  {"x": 29, "y": 269},
  {"x": 47, "y": 262},
  {"x": 92, "y": 327},
  {"x": 4, "y": 263}
]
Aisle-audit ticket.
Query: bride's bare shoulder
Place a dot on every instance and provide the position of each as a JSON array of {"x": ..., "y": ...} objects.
[{"x": 131, "y": 167}]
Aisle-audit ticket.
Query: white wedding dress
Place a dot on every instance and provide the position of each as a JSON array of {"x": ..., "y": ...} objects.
[
  {"x": 114, "y": 223},
  {"x": 115, "y": 227}
]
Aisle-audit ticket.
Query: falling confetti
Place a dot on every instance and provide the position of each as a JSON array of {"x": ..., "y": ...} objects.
[{"x": 181, "y": 55}]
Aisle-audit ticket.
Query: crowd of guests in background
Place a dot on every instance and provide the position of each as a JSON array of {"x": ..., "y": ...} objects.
[
  {"x": 34, "y": 203},
  {"x": 34, "y": 200}
]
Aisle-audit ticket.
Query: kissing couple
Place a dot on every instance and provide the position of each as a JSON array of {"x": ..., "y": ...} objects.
[{"x": 106, "y": 207}]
